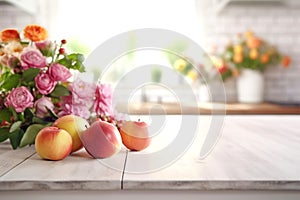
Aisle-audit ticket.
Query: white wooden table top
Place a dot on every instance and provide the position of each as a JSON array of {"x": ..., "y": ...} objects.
[{"x": 254, "y": 153}]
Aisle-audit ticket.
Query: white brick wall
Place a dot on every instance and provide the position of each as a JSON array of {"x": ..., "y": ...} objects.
[{"x": 279, "y": 24}]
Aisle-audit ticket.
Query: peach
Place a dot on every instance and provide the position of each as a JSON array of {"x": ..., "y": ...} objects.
[
  {"x": 135, "y": 135},
  {"x": 52, "y": 143},
  {"x": 74, "y": 125},
  {"x": 101, "y": 139}
]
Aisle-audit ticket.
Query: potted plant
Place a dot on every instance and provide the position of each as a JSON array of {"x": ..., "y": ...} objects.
[{"x": 247, "y": 57}]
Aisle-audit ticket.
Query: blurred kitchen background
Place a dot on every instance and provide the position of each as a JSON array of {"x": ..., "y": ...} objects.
[{"x": 210, "y": 23}]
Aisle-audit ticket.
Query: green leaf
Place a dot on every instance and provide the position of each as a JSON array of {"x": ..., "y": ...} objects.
[
  {"x": 73, "y": 61},
  {"x": 4, "y": 76},
  {"x": 15, "y": 137},
  {"x": 30, "y": 134},
  {"x": 5, "y": 114},
  {"x": 4, "y": 134},
  {"x": 59, "y": 91},
  {"x": 30, "y": 74},
  {"x": 52, "y": 113},
  {"x": 14, "y": 113},
  {"x": 79, "y": 66},
  {"x": 11, "y": 81},
  {"x": 15, "y": 126},
  {"x": 64, "y": 61},
  {"x": 76, "y": 56},
  {"x": 38, "y": 120},
  {"x": 48, "y": 52},
  {"x": 28, "y": 113}
]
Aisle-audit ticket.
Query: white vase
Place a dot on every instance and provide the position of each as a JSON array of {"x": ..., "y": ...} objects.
[
  {"x": 204, "y": 94},
  {"x": 250, "y": 86}
]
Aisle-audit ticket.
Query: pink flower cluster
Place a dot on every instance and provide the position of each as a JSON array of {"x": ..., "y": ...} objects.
[
  {"x": 21, "y": 98},
  {"x": 86, "y": 98},
  {"x": 103, "y": 100},
  {"x": 45, "y": 82}
]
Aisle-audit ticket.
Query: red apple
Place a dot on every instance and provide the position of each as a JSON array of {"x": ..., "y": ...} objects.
[
  {"x": 135, "y": 135},
  {"x": 101, "y": 139},
  {"x": 52, "y": 143}
]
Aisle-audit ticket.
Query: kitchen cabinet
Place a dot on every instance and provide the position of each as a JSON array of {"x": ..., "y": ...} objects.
[
  {"x": 220, "y": 5},
  {"x": 257, "y": 156},
  {"x": 29, "y": 6}
]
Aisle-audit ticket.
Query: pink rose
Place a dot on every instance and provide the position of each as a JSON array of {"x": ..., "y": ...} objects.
[
  {"x": 44, "y": 83},
  {"x": 43, "y": 45},
  {"x": 19, "y": 98},
  {"x": 33, "y": 59},
  {"x": 103, "y": 101},
  {"x": 41, "y": 106},
  {"x": 59, "y": 72}
]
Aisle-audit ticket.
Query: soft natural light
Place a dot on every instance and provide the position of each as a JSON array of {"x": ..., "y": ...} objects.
[
  {"x": 93, "y": 22},
  {"x": 90, "y": 23}
]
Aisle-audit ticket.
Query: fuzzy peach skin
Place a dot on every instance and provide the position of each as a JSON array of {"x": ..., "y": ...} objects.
[
  {"x": 101, "y": 140},
  {"x": 74, "y": 125},
  {"x": 135, "y": 135},
  {"x": 52, "y": 143}
]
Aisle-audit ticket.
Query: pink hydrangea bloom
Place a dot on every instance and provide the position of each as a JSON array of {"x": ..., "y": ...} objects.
[
  {"x": 103, "y": 100},
  {"x": 83, "y": 92},
  {"x": 83, "y": 89},
  {"x": 44, "y": 83},
  {"x": 20, "y": 99},
  {"x": 81, "y": 111},
  {"x": 69, "y": 107},
  {"x": 66, "y": 106},
  {"x": 33, "y": 59}
]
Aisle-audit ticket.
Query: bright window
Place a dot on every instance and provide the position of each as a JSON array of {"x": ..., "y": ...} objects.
[{"x": 93, "y": 22}]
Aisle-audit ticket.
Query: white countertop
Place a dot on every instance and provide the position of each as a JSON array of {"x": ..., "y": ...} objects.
[{"x": 254, "y": 153}]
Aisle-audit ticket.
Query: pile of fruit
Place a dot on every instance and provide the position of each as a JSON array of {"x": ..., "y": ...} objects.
[{"x": 101, "y": 139}]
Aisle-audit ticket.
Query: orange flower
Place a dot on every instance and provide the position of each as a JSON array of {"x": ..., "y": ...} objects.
[
  {"x": 9, "y": 35},
  {"x": 264, "y": 58},
  {"x": 35, "y": 33},
  {"x": 249, "y": 34},
  {"x": 238, "y": 49},
  {"x": 253, "y": 54},
  {"x": 286, "y": 61},
  {"x": 253, "y": 42},
  {"x": 238, "y": 58}
]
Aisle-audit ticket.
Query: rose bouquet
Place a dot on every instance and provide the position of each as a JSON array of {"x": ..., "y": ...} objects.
[{"x": 36, "y": 86}]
